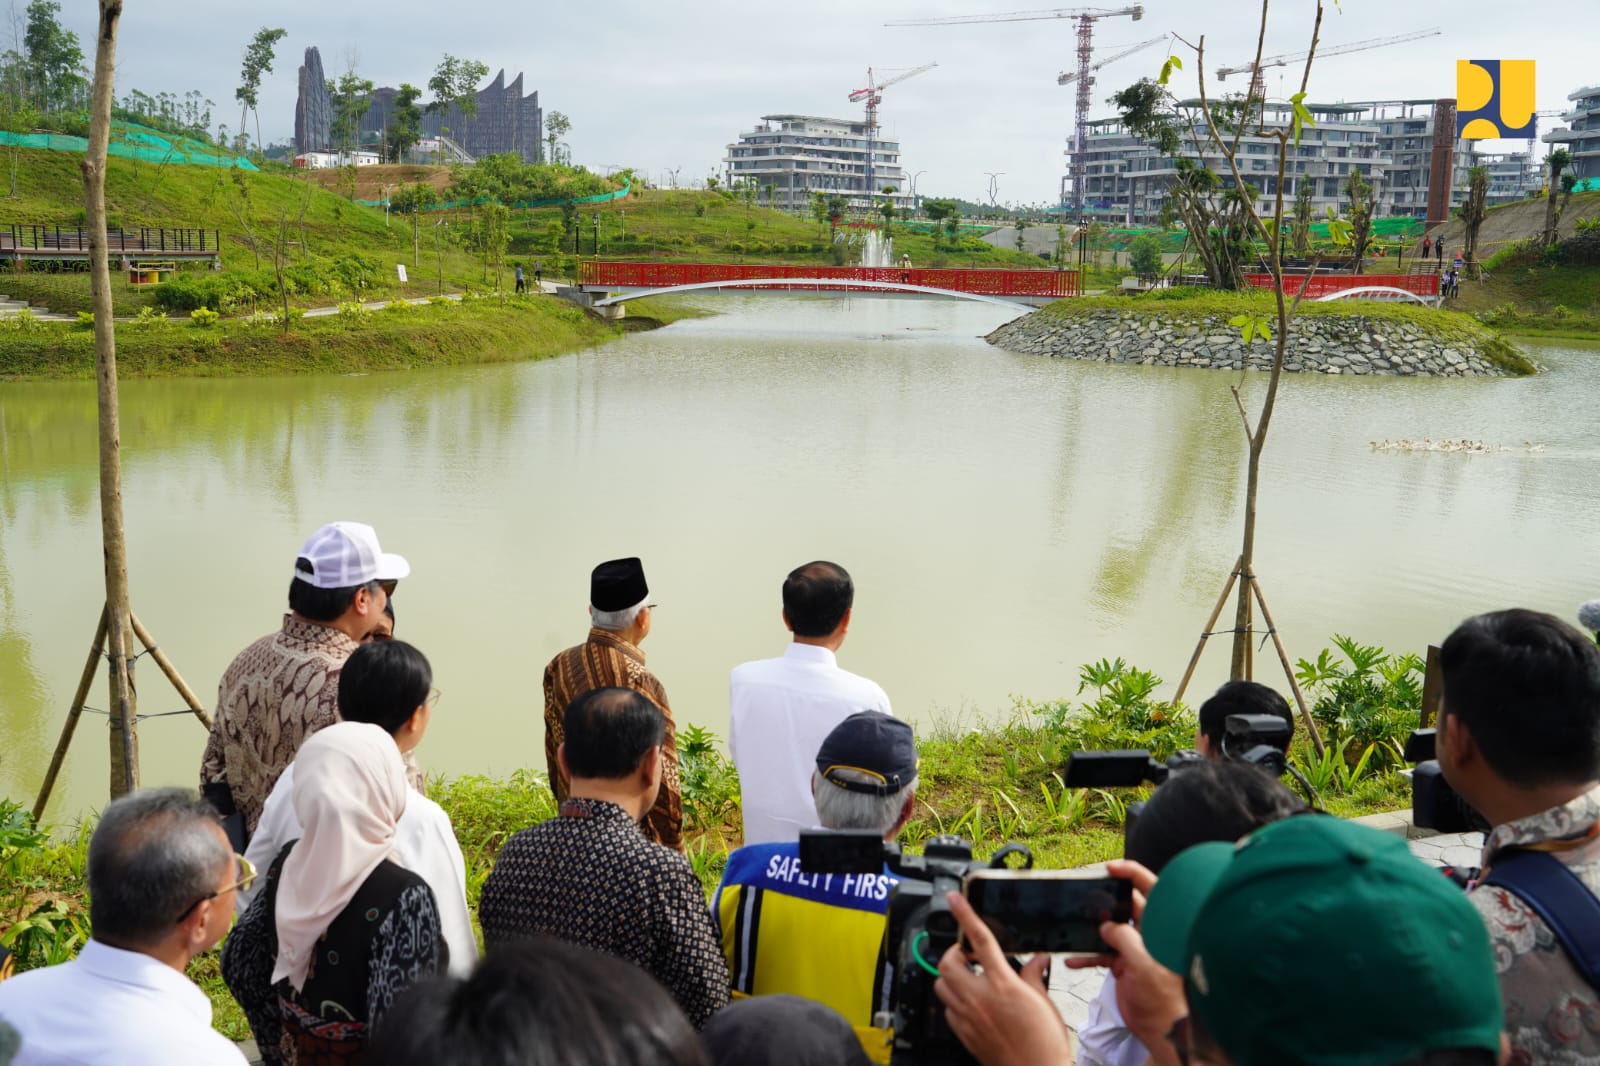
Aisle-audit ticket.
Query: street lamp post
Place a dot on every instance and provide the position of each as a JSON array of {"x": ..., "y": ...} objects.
[
  {"x": 916, "y": 204},
  {"x": 994, "y": 185},
  {"x": 596, "y": 219},
  {"x": 386, "y": 189}
]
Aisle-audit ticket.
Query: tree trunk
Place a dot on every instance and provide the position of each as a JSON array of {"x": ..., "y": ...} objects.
[
  {"x": 124, "y": 739},
  {"x": 1240, "y": 668},
  {"x": 1550, "y": 207}
]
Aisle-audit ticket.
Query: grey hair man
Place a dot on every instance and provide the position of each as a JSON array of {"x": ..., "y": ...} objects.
[
  {"x": 620, "y": 612},
  {"x": 162, "y": 881},
  {"x": 821, "y": 936}
]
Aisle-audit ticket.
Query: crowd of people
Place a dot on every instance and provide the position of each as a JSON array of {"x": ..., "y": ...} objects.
[{"x": 1264, "y": 932}]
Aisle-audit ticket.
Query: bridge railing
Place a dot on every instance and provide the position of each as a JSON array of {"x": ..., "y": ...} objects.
[
  {"x": 1326, "y": 284},
  {"x": 72, "y": 239},
  {"x": 1039, "y": 283}
]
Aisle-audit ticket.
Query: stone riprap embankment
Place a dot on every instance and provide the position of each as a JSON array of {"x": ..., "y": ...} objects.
[{"x": 1320, "y": 344}]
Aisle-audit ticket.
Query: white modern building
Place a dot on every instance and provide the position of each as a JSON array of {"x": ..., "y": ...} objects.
[
  {"x": 800, "y": 154},
  {"x": 1581, "y": 137},
  {"x": 1390, "y": 141},
  {"x": 1512, "y": 176}
]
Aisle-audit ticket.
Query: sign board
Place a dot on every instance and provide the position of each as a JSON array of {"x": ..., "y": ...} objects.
[{"x": 400, "y": 268}]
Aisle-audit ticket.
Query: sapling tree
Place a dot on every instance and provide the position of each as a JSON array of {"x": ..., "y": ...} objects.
[
  {"x": 1359, "y": 214},
  {"x": 1224, "y": 137},
  {"x": 556, "y": 126},
  {"x": 1557, "y": 161}
]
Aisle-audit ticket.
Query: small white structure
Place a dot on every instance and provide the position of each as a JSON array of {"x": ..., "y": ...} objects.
[{"x": 324, "y": 160}]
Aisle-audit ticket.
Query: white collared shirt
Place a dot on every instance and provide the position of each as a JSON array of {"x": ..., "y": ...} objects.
[
  {"x": 779, "y": 713},
  {"x": 424, "y": 843},
  {"x": 110, "y": 1007}
]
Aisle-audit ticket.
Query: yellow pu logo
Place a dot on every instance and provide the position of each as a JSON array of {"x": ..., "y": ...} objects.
[{"x": 1494, "y": 98}]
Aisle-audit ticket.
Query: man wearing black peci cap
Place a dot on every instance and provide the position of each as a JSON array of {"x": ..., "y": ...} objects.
[
  {"x": 619, "y": 614},
  {"x": 821, "y": 936}
]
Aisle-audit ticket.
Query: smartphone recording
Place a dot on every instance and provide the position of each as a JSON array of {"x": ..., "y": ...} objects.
[{"x": 1058, "y": 912}]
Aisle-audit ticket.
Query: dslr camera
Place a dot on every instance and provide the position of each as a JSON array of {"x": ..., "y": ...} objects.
[
  {"x": 1257, "y": 739},
  {"x": 1028, "y": 910},
  {"x": 1434, "y": 804}
]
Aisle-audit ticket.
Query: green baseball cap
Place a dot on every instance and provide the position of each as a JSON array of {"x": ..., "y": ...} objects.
[{"x": 1318, "y": 941}]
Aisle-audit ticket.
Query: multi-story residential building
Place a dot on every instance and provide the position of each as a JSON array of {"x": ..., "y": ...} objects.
[
  {"x": 1391, "y": 141},
  {"x": 800, "y": 154},
  {"x": 1126, "y": 180},
  {"x": 1512, "y": 176},
  {"x": 1581, "y": 137}
]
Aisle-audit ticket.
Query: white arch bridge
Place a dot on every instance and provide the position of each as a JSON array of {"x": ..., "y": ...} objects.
[{"x": 1020, "y": 289}]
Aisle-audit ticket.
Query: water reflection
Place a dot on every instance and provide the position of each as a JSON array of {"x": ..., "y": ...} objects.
[{"x": 1006, "y": 517}]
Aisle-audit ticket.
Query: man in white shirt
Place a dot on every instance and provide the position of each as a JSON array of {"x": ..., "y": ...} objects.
[
  {"x": 388, "y": 684},
  {"x": 161, "y": 884},
  {"x": 781, "y": 710}
]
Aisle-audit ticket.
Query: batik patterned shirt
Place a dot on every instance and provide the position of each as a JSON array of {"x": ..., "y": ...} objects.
[
  {"x": 1552, "y": 1015},
  {"x": 274, "y": 695},
  {"x": 607, "y": 661},
  {"x": 589, "y": 877}
]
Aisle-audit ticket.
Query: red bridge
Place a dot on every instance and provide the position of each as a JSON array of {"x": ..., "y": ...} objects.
[
  {"x": 999, "y": 286},
  {"x": 1329, "y": 284}
]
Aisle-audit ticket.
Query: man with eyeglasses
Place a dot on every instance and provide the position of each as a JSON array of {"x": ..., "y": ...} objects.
[
  {"x": 162, "y": 880},
  {"x": 285, "y": 686}
]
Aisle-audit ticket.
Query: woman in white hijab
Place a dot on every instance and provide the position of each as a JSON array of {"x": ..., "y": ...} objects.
[{"x": 339, "y": 930}]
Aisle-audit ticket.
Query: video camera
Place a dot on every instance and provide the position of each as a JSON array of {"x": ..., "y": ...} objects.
[
  {"x": 1028, "y": 910},
  {"x": 1257, "y": 739},
  {"x": 1434, "y": 804},
  {"x": 921, "y": 927}
]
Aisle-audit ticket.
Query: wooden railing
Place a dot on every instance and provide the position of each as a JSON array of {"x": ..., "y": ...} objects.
[{"x": 73, "y": 239}]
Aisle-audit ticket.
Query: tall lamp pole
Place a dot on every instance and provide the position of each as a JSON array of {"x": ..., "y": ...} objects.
[{"x": 916, "y": 204}]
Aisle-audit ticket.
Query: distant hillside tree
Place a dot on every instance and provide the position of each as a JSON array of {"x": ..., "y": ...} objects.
[
  {"x": 352, "y": 97},
  {"x": 405, "y": 123},
  {"x": 257, "y": 61},
  {"x": 54, "y": 59},
  {"x": 1557, "y": 161},
  {"x": 455, "y": 81},
  {"x": 556, "y": 126},
  {"x": 1476, "y": 207}
]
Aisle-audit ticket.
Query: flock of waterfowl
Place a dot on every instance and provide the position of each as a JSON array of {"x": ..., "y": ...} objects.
[{"x": 1428, "y": 444}]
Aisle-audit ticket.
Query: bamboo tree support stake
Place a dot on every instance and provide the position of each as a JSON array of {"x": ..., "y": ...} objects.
[
  {"x": 73, "y": 714},
  {"x": 169, "y": 670},
  {"x": 1216, "y": 612},
  {"x": 1283, "y": 657},
  {"x": 124, "y": 739}
]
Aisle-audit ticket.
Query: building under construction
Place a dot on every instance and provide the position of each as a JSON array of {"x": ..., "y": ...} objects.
[
  {"x": 797, "y": 155},
  {"x": 1407, "y": 150}
]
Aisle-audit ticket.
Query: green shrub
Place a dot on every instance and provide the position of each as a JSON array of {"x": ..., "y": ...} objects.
[
  {"x": 1144, "y": 254},
  {"x": 1364, "y": 697},
  {"x": 1122, "y": 714},
  {"x": 151, "y": 318},
  {"x": 350, "y": 311},
  {"x": 203, "y": 318},
  {"x": 21, "y": 321},
  {"x": 86, "y": 320}
]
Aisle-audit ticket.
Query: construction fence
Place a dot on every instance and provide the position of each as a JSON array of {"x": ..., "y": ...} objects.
[{"x": 130, "y": 141}]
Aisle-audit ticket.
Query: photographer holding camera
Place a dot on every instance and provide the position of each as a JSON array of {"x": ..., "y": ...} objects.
[
  {"x": 1519, "y": 740},
  {"x": 1239, "y": 697},
  {"x": 1211, "y": 801}
]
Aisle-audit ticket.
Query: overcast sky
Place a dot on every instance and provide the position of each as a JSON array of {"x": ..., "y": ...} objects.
[{"x": 669, "y": 84}]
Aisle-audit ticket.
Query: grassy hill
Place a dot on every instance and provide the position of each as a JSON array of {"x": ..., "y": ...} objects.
[{"x": 340, "y": 249}]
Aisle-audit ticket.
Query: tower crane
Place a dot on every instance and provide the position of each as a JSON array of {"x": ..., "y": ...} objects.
[
  {"x": 1256, "y": 82},
  {"x": 1086, "y": 18},
  {"x": 1533, "y": 134},
  {"x": 1067, "y": 77},
  {"x": 873, "y": 96}
]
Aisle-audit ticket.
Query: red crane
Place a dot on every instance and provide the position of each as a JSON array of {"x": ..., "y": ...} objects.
[
  {"x": 873, "y": 95},
  {"x": 1086, "y": 17}
]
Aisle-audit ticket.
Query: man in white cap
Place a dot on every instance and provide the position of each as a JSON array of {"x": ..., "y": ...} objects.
[{"x": 285, "y": 686}]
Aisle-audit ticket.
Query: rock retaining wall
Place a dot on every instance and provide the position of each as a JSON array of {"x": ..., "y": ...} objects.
[{"x": 1322, "y": 344}]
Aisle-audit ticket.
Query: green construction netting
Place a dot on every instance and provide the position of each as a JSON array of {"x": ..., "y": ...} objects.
[
  {"x": 453, "y": 205},
  {"x": 136, "y": 142}
]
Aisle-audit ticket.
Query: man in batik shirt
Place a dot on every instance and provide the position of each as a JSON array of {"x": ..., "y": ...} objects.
[
  {"x": 1519, "y": 739},
  {"x": 285, "y": 686},
  {"x": 619, "y": 613}
]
